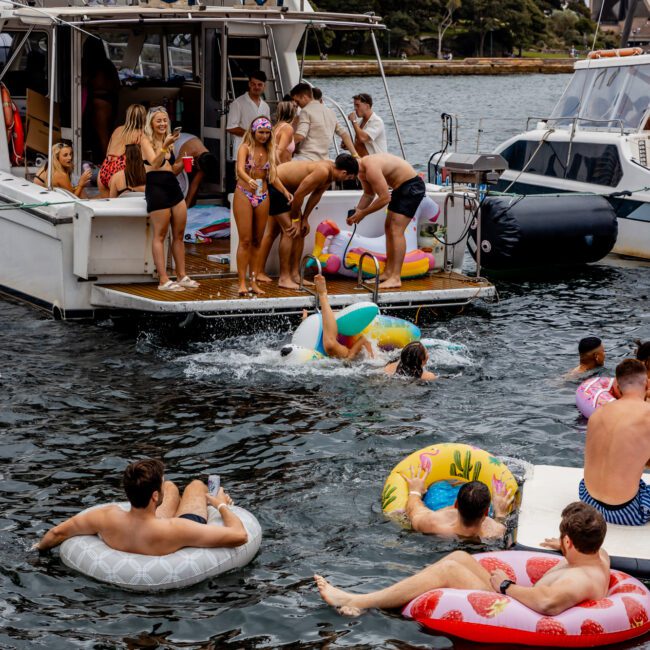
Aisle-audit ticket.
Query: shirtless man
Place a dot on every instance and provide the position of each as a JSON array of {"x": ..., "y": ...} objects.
[
  {"x": 467, "y": 518},
  {"x": 378, "y": 174},
  {"x": 331, "y": 345},
  {"x": 159, "y": 522},
  {"x": 302, "y": 178},
  {"x": 617, "y": 450},
  {"x": 592, "y": 356},
  {"x": 582, "y": 575}
]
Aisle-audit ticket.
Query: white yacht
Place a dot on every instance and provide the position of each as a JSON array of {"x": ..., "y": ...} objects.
[
  {"x": 80, "y": 258},
  {"x": 597, "y": 140}
]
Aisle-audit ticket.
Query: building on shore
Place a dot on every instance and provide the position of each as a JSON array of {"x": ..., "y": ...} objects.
[{"x": 614, "y": 14}]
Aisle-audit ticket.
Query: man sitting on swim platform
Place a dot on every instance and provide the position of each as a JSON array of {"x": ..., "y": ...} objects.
[
  {"x": 467, "y": 518},
  {"x": 159, "y": 522},
  {"x": 617, "y": 450},
  {"x": 582, "y": 575}
]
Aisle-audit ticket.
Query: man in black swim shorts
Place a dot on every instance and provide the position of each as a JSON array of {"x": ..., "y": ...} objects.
[
  {"x": 379, "y": 174},
  {"x": 159, "y": 522}
]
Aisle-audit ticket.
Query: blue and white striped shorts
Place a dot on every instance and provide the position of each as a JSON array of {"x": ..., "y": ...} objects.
[{"x": 635, "y": 512}]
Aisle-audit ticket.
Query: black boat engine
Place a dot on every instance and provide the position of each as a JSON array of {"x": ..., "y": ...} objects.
[{"x": 519, "y": 232}]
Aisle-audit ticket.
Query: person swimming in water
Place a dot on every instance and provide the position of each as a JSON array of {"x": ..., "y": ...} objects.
[
  {"x": 331, "y": 345},
  {"x": 411, "y": 363},
  {"x": 592, "y": 356}
]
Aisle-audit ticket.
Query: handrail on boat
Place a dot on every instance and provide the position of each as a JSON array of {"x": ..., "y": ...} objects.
[
  {"x": 574, "y": 120},
  {"x": 361, "y": 284},
  {"x": 303, "y": 267}
]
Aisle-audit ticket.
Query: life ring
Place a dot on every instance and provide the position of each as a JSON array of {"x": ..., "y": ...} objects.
[
  {"x": 593, "y": 393},
  {"x": 89, "y": 555},
  {"x": 606, "y": 54},
  {"x": 489, "y": 617},
  {"x": 446, "y": 461},
  {"x": 13, "y": 127}
]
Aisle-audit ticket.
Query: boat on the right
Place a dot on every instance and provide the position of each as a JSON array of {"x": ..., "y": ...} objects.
[{"x": 596, "y": 141}]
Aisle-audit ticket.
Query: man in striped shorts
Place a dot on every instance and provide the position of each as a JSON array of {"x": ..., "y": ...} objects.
[{"x": 617, "y": 451}]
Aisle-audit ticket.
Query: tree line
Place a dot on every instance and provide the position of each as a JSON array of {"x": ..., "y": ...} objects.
[{"x": 465, "y": 27}]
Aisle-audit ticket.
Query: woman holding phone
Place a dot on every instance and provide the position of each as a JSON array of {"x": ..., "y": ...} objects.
[{"x": 165, "y": 202}]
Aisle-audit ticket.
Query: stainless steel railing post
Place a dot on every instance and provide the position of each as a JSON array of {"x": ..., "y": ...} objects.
[{"x": 361, "y": 284}]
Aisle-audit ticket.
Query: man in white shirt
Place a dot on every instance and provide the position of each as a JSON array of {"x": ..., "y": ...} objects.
[
  {"x": 246, "y": 108},
  {"x": 370, "y": 133},
  {"x": 316, "y": 127}
]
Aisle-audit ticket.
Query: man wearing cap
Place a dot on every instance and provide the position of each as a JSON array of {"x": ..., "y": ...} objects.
[
  {"x": 246, "y": 108},
  {"x": 592, "y": 356},
  {"x": 369, "y": 130}
]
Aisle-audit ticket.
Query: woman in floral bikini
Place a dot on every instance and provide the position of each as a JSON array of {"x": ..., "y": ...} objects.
[
  {"x": 256, "y": 167},
  {"x": 129, "y": 133}
]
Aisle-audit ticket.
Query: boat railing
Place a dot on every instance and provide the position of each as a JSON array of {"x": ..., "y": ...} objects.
[
  {"x": 374, "y": 290},
  {"x": 307, "y": 259},
  {"x": 573, "y": 121}
]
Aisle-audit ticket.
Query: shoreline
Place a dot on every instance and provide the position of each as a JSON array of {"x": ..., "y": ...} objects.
[{"x": 469, "y": 66}]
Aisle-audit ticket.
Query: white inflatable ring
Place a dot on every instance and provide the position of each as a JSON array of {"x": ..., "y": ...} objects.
[{"x": 89, "y": 555}]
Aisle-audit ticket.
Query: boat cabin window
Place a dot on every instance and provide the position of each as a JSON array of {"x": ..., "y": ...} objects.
[
  {"x": 29, "y": 69},
  {"x": 620, "y": 94},
  {"x": 179, "y": 54},
  {"x": 588, "y": 162}
]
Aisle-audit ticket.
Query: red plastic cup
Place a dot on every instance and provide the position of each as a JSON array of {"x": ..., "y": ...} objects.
[{"x": 187, "y": 163}]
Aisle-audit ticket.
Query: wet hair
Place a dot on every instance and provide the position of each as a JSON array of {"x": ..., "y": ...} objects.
[
  {"x": 630, "y": 372},
  {"x": 260, "y": 75},
  {"x": 317, "y": 93},
  {"x": 364, "y": 97},
  {"x": 412, "y": 360},
  {"x": 584, "y": 526},
  {"x": 588, "y": 344},
  {"x": 134, "y": 172},
  {"x": 473, "y": 501},
  {"x": 285, "y": 112},
  {"x": 301, "y": 89},
  {"x": 209, "y": 165},
  {"x": 141, "y": 479},
  {"x": 643, "y": 351},
  {"x": 345, "y": 162}
]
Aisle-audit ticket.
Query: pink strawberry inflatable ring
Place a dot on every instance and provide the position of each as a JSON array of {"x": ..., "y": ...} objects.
[{"x": 489, "y": 617}]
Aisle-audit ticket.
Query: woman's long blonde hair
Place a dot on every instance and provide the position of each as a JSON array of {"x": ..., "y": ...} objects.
[
  {"x": 136, "y": 116},
  {"x": 148, "y": 129},
  {"x": 250, "y": 142},
  {"x": 57, "y": 167}
]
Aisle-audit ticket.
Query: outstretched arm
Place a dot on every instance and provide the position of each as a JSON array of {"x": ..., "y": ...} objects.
[
  {"x": 85, "y": 523},
  {"x": 376, "y": 195}
]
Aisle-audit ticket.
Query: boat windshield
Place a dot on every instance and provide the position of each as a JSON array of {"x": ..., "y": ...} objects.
[{"x": 605, "y": 98}]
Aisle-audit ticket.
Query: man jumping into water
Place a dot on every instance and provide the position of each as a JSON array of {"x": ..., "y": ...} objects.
[
  {"x": 617, "y": 450},
  {"x": 379, "y": 173},
  {"x": 582, "y": 575},
  {"x": 159, "y": 522},
  {"x": 467, "y": 518}
]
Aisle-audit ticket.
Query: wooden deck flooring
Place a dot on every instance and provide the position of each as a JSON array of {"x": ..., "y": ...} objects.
[{"x": 226, "y": 288}]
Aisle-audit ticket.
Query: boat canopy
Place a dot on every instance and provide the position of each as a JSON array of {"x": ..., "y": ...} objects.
[{"x": 606, "y": 97}]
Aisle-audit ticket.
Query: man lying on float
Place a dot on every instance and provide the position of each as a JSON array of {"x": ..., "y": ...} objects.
[
  {"x": 159, "y": 521},
  {"x": 582, "y": 575},
  {"x": 467, "y": 518},
  {"x": 617, "y": 450}
]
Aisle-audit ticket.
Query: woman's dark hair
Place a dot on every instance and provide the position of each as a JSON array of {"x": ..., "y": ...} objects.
[
  {"x": 643, "y": 351},
  {"x": 141, "y": 480},
  {"x": 412, "y": 360},
  {"x": 134, "y": 172}
]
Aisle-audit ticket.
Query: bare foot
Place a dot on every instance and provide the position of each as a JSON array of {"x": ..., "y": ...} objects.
[
  {"x": 243, "y": 290},
  {"x": 307, "y": 283},
  {"x": 262, "y": 277},
  {"x": 321, "y": 286},
  {"x": 336, "y": 597},
  {"x": 288, "y": 283},
  {"x": 390, "y": 283},
  {"x": 255, "y": 288}
]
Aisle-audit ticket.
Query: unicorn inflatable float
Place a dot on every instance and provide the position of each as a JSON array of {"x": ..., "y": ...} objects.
[{"x": 339, "y": 250}]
